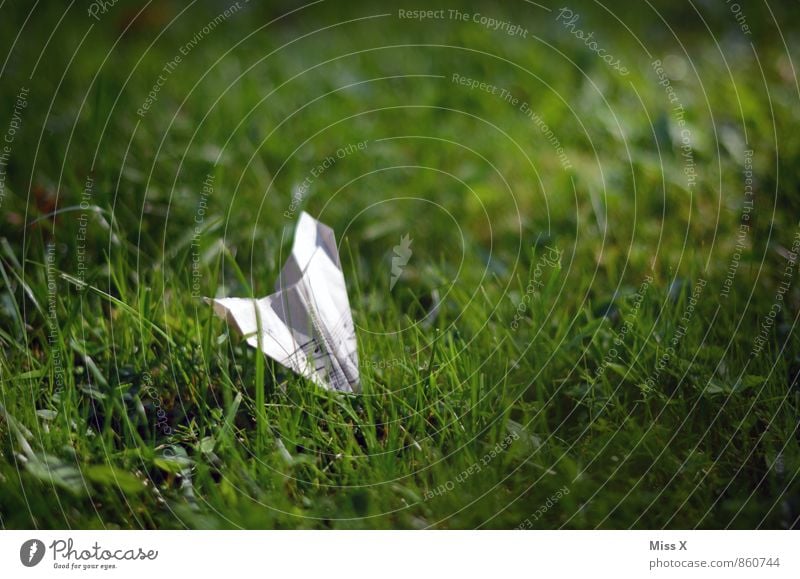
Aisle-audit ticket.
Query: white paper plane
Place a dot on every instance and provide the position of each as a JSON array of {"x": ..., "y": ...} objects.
[{"x": 306, "y": 325}]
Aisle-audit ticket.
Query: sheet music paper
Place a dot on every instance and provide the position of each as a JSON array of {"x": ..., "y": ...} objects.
[{"x": 306, "y": 325}]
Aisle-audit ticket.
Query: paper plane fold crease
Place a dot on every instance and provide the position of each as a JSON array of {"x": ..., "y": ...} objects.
[{"x": 306, "y": 325}]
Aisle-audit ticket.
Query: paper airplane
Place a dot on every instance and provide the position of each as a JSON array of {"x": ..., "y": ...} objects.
[{"x": 306, "y": 325}]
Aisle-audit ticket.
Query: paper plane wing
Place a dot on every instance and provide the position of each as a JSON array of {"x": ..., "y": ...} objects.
[{"x": 306, "y": 325}]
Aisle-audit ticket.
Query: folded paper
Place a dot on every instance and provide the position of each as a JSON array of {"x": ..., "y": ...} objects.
[{"x": 306, "y": 325}]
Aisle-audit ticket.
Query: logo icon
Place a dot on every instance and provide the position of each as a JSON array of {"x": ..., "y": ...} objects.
[
  {"x": 402, "y": 253},
  {"x": 31, "y": 553}
]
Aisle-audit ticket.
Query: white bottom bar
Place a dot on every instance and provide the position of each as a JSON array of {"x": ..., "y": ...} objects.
[{"x": 401, "y": 554}]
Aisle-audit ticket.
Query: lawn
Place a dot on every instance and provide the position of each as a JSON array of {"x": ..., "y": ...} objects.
[{"x": 569, "y": 236}]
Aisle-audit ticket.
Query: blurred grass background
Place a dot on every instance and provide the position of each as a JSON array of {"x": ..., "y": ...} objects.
[{"x": 126, "y": 404}]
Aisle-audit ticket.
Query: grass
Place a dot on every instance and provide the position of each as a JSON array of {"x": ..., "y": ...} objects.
[{"x": 588, "y": 365}]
